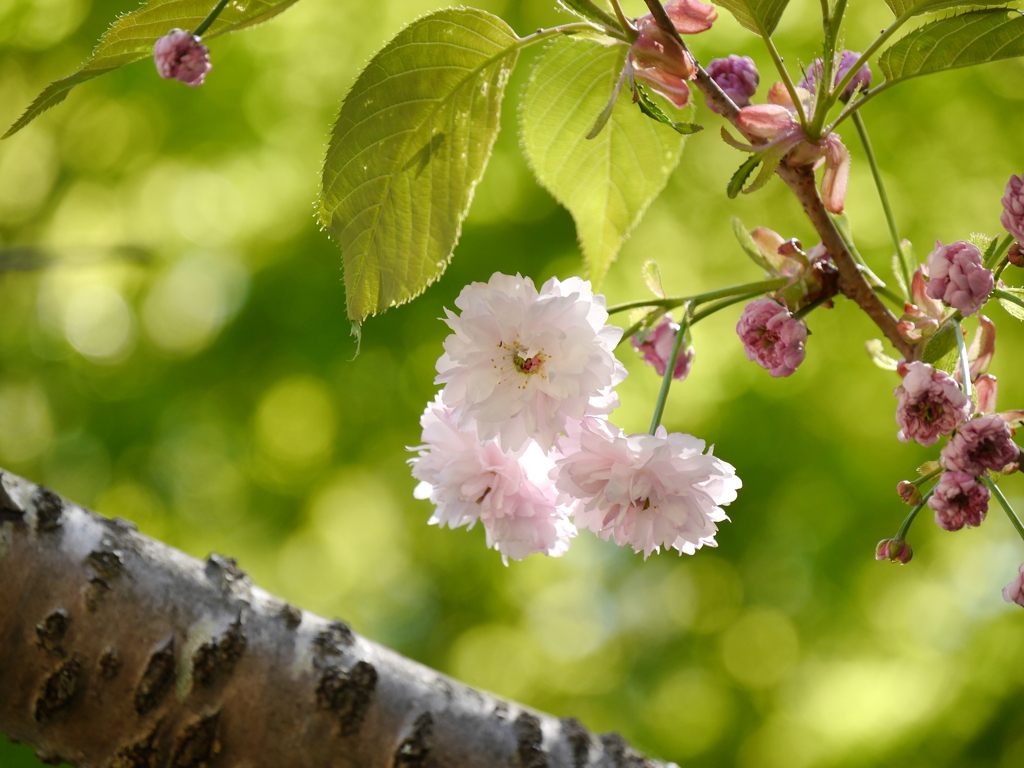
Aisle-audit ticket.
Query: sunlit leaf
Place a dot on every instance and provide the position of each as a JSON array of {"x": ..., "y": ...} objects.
[
  {"x": 652, "y": 277},
  {"x": 131, "y": 39},
  {"x": 878, "y": 357},
  {"x": 916, "y": 7},
  {"x": 589, "y": 10},
  {"x": 650, "y": 108},
  {"x": 959, "y": 41},
  {"x": 940, "y": 350},
  {"x": 748, "y": 245},
  {"x": 606, "y": 182},
  {"x": 739, "y": 178},
  {"x": 410, "y": 145},
  {"x": 759, "y": 16},
  {"x": 1012, "y": 300}
]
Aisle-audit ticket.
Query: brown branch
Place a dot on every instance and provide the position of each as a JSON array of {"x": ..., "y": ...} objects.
[
  {"x": 800, "y": 180},
  {"x": 117, "y": 651}
]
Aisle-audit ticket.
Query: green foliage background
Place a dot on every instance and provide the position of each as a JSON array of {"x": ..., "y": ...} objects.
[{"x": 174, "y": 350}]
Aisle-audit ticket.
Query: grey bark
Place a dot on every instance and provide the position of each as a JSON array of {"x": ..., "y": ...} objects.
[{"x": 117, "y": 651}]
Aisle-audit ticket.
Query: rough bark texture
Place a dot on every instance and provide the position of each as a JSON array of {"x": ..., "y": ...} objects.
[
  {"x": 117, "y": 651},
  {"x": 800, "y": 180}
]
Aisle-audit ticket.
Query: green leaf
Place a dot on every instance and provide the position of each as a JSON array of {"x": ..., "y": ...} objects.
[
  {"x": 916, "y": 7},
  {"x": 759, "y": 16},
  {"x": 940, "y": 350},
  {"x": 743, "y": 173},
  {"x": 878, "y": 357},
  {"x": 652, "y": 276},
  {"x": 748, "y": 245},
  {"x": 606, "y": 182},
  {"x": 131, "y": 39},
  {"x": 591, "y": 11},
  {"x": 411, "y": 142},
  {"x": 1012, "y": 300},
  {"x": 650, "y": 108},
  {"x": 959, "y": 41}
]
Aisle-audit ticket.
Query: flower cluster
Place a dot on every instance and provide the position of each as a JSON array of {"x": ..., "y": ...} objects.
[
  {"x": 772, "y": 337},
  {"x": 518, "y": 439}
]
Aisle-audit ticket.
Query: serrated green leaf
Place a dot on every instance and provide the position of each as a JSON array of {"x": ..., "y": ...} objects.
[
  {"x": 607, "y": 182},
  {"x": 411, "y": 142},
  {"x": 131, "y": 39},
  {"x": 959, "y": 41},
  {"x": 592, "y": 12},
  {"x": 940, "y": 347},
  {"x": 876, "y": 352},
  {"x": 1012, "y": 300},
  {"x": 917, "y": 7},
  {"x": 743, "y": 173},
  {"x": 650, "y": 108},
  {"x": 759, "y": 16},
  {"x": 652, "y": 276}
]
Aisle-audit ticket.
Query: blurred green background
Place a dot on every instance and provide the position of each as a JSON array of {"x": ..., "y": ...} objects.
[{"x": 174, "y": 350}]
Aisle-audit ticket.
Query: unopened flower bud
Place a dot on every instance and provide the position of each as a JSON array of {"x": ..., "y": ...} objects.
[
  {"x": 657, "y": 346},
  {"x": 909, "y": 492},
  {"x": 957, "y": 276},
  {"x": 790, "y": 247},
  {"x": 894, "y": 550},
  {"x": 1014, "y": 591},
  {"x": 1015, "y": 255},
  {"x": 1013, "y": 207},
  {"x": 179, "y": 55},
  {"x": 846, "y": 61},
  {"x": 737, "y": 76},
  {"x": 655, "y": 48}
]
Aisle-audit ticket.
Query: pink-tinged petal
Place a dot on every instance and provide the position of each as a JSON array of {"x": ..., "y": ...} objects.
[
  {"x": 837, "y": 173},
  {"x": 987, "y": 391},
  {"x": 1014, "y": 418},
  {"x": 982, "y": 443},
  {"x": 656, "y": 49},
  {"x": 983, "y": 347},
  {"x": 768, "y": 121},
  {"x": 690, "y": 16},
  {"x": 672, "y": 88},
  {"x": 924, "y": 302}
]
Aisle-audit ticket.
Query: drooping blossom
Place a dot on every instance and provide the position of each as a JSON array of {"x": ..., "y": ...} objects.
[
  {"x": 894, "y": 550},
  {"x": 179, "y": 55},
  {"x": 521, "y": 362},
  {"x": 982, "y": 443},
  {"x": 1014, "y": 591},
  {"x": 959, "y": 500},
  {"x": 1013, "y": 207},
  {"x": 656, "y": 58},
  {"x": 468, "y": 480},
  {"x": 777, "y": 122},
  {"x": 957, "y": 276},
  {"x": 737, "y": 76},
  {"x": 931, "y": 404},
  {"x": 657, "y": 345},
  {"x": 921, "y": 317},
  {"x": 648, "y": 491},
  {"x": 846, "y": 61},
  {"x": 772, "y": 337}
]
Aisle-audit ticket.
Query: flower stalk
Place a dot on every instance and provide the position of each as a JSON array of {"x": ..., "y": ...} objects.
[{"x": 666, "y": 380}]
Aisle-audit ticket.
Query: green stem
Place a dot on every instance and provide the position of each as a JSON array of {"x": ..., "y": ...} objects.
[
  {"x": 671, "y": 302},
  {"x": 1004, "y": 502},
  {"x": 965, "y": 363},
  {"x": 786, "y": 79},
  {"x": 999, "y": 270},
  {"x": 710, "y": 309},
  {"x": 999, "y": 293},
  {"x": 998, "y": 253},
  {"x": 630, "y": 331},
  {"x": 211, "y": 17},
  {"x": 623, "y": 21},
  {"x": 666, "y": 381},
  {"x": 925, "y": 478},
  {"x": 876, "y": 173},
  {"x": 902, "y": 532},
  {"x": 803, "y": 312},
  {"x": 578, "y": 27}
]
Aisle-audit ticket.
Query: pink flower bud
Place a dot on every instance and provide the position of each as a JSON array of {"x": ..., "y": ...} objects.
[
  {"x": 1013, "y": 207},
  {"x": 767, "y": 121},
  {"x": 957, "y": 277},
  {"x": 656, "y": 49},
  {"x": 930, "y": 404},
  {"x": 894, "y": 550},
  {"x": 1014, "y": 591},
  {"x": 180, "y": 56},
  {"x": 671, "y": 87},
  {"x": 846, "y": 61},
  {"x": 1015, "y": 255},
  {"x": 909, "y": 492},
  {"x": 688, "y": 16},
  {"x": 737, "y": 76},
  {"x": 657, "y": 345},
  {"x": 987, "y": 391},
  {"x": 959, "y": 500},
  {"x": 771, "y": 336},
  {"x": 980, "y": 444}
]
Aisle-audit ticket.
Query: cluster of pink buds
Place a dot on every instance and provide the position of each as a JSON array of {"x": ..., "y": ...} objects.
[
  {"x": 737, "y": 76},
  {"x": 519, "y": 440},
  {"x": 180, "y": 55},
  {"x": 657, "y": 60}
]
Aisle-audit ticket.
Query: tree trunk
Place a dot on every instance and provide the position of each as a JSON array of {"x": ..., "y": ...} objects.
[{"x": 117, "y": 651}]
